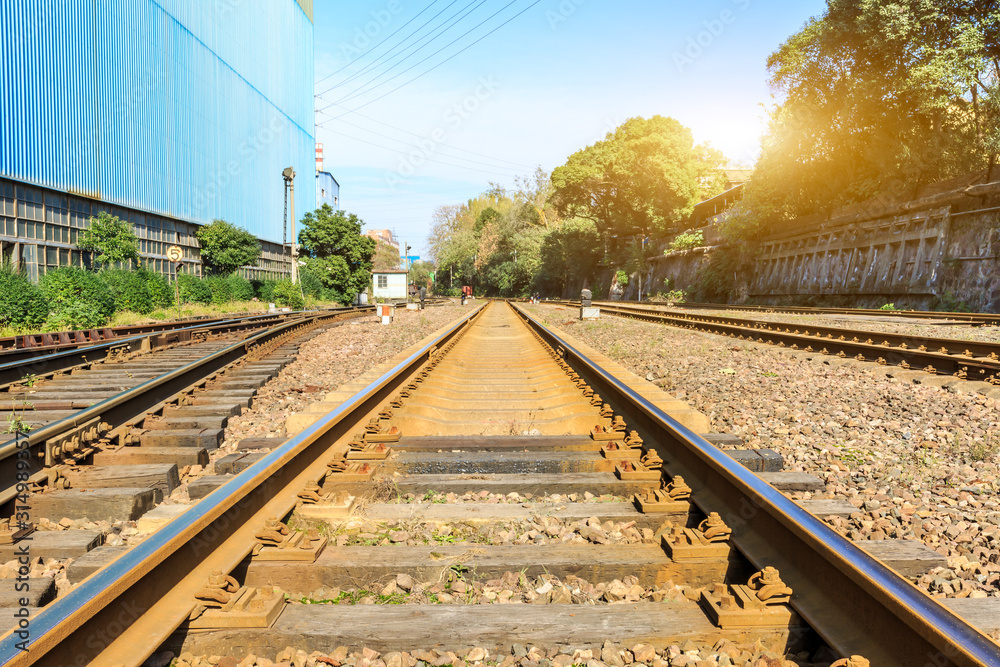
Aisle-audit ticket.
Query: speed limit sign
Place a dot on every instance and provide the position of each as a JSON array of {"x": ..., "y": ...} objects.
[{"x": 175, "y": 253}]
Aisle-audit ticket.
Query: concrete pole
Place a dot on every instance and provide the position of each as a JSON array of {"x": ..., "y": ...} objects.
[{"x": 295, "y": 251}]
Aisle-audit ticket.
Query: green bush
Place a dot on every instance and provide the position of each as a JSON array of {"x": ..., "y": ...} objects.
[
  {"x": 22, "y": 303},
  {"x": 240, "y": 288},
  {"x": 160, "y": 289},
  {"x": 194, "y": 290},
  {"x": 219, "y": 287},
  {"x": 287, "y": 293},
  {"x": 75, "y": 316},
  {"x": 621, "y": 277},
  {"x": 312, "y": 285},
  {"x": 686, "y": 241},
  {"x": 264, "y": 289},
  {"x": 70, "y": 286},
  {"x": 130, "y": 290}
]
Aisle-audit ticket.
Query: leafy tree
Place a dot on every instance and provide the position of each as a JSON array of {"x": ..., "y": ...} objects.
[
  {"x": 644, "y": 177},
  {"x": 879, "y": 98},
  {"x": 226, "y": 247},
  {"x": 386, "y": 257},
  {"x": 420, "y": 274},
  {"x": 110, "y": 239},
  {"x": 336, "y": 251},
  {"x": 569, "y": 255}
]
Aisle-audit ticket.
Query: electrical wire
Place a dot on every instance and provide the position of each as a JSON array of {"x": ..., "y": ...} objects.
[
  {"x": 380, "y": 43},
  {"x": 427, "y": 40},
  {"x": 428, "y": 159},
  {"x": 454, "y": 55},
  {"x": 409, "y": 145},
  {"x": 360, "y": 90},
  {"x": 419, "y": 136}
]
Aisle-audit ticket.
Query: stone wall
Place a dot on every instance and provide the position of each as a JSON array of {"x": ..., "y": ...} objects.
[{"x": 938, "y": 252}]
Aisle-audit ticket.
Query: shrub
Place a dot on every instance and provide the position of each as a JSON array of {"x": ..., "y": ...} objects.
[
  {"x": 71, "y": 286},
  {"x": 312, "y": 286},
  {"x": 240, "y": 288},
  {"x": 219, "y": 287},
  {"x": 74, "y": 316},
  {"x": 194, "y": 290},
  {"x": 686, "y": 241},
  {"x": 22, "y": 303},
  {"x": 621, "y": 277},
  {"x": 287, "y": 293},
  {"x": 130, "y": 290},
  {"x": 160, "y": 289},
  {"x": 264, "y": 289}
]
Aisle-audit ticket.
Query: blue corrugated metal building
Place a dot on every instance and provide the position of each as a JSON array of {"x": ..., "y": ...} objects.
[{"x": 168, "y": 113}]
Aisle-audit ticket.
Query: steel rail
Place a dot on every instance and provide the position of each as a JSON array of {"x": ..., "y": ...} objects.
[
  {"x": 947, "y": 363},
  {"x": 117, "y": 410},
  {"x": 857, "y": 604},
  {"x": 123, "y": 612},
  {"x": 15, "y": 371},
  {"x": 106, "y": 334},
  {"x": 972, "y": 318},
  {"x": 13, "y": 355},
  {"x": 965, "y": 348}
]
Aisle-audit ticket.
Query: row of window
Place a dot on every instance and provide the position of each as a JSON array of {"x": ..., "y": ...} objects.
[{"x": 35, "y": 214}]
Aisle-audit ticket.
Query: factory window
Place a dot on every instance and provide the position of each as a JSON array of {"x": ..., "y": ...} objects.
[{"x": 383, "y": 282}]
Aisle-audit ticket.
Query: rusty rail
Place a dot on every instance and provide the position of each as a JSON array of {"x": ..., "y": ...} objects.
[
  {"x": 970, "y": 360},
  {"x": 122, "y": 613},
  {"x": 858, "y": 605}
]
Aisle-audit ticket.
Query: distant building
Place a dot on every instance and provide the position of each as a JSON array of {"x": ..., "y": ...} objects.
[
  {"x": 389, "y": 284},
  {"x": 383, "y": 236},
  {"x": 327, "y": 187},
  {"x": 327, "y": 190},
  {"x": 156, "y": 112}
]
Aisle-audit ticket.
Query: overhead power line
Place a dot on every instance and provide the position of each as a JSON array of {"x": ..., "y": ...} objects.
[
  {"x": 371, "y": 50},
  {"x": 421, "y": 136},
  {"x": 403, "y": 55},
  {"x": 428, "y": 159},
  {"x": 451, "y": 57}
]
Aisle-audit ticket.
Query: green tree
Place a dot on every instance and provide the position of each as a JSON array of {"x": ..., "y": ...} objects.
[
  {"x": 878, "y": 98},
  {"x": 386, "y": 257},
  {"x": 337, "y": 252},
  {"x": 569, "y": 255},
  {"x": 110, "y": 239},
  {"x": 420, "y": 274},
  {"x": 643, "y": 178},
  {"x": 226, "y": 247}
]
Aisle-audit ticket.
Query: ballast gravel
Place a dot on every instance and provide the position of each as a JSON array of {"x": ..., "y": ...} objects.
[{"x": 917, "y": 461}]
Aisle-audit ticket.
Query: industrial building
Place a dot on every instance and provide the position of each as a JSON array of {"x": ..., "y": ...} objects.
[{"x": 166, "y": 113}]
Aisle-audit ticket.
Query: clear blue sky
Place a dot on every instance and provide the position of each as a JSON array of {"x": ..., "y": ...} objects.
[{"x": 551, "y": 81}]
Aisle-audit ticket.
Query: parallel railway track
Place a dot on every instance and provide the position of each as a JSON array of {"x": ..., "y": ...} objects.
[
  {"x": 973, "y": 319},
  {"x": 495, "y": 402},
  {"x": 159, "y": 390},
  {"x": 971, "y": 360}
]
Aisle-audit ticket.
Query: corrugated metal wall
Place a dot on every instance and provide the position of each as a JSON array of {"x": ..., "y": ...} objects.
[{"x": 187, "y": 108}]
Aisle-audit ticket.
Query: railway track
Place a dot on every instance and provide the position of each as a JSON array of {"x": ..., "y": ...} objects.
[
  {"x": 14, "y": 349},
  {"x": 967, "y": 360},
  {"x": 496, "y": 407},
  {"x": 974, "y": 319}
]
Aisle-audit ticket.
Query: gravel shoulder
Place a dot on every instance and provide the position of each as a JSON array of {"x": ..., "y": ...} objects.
[{"x": 918, "y": 462}]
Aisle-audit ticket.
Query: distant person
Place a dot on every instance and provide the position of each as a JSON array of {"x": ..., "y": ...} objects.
[{"x": 423, "y": 296}]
